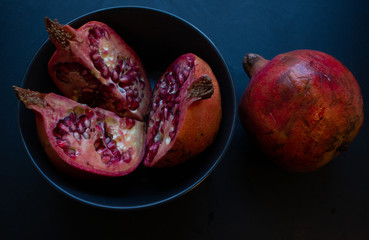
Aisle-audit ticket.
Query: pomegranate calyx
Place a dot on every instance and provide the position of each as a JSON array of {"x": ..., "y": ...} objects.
[
  {"x": 253, "y": 63},
  {"x": 202, "y": 88},
  {"x": 29, "y": 97},
  {"x": 57, "y": 33}
]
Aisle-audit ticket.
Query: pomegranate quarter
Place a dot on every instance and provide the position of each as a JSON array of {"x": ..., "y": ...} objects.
[
  {"x": 93, "y": 65},
  {"x": 81, "y": 140},
  {"x": 185, "y": 113},
  {"x": 303, "y": 107}
]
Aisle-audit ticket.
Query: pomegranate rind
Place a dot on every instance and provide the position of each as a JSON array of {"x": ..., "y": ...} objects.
[
  {"x": 303, "y": 107},
  {"x": 78, "y": 51},
  {"x": 50, "y": 108},
  {"x": 198, "y": 124}
]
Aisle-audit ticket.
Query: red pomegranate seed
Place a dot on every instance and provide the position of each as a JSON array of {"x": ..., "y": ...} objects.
[
  {"x": 135, "y": 104},
  {"x": 96, "y": 32},
  {"x": 61, "y": 143},
  {"x": 105, "y": 159},
  {"x": 76, "y": 135},
  {"x": 115, "y": 76},
  {"x": 70, "y": 152},
  {"x": 80, "y": 127},
  {"x": 111, "y": 145},
  {"x": 86, "y": 135},
  {"x": 130, "y": 122},
  {"x": 126, "y": 157},
  {"x": 62, "y": 127},
  {"x": 172, "y": 134},
  {"x": 89, "y": 113}
]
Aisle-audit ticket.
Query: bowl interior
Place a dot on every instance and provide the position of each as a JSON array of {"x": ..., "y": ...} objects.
[{"x": 158, "y": 38}]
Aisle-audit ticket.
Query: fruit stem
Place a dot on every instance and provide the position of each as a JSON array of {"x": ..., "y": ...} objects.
[
  {"x": 57, "y": 33},
  {"x": 202, "y": 88},
  {"x": 28, "y": 97},
  {"x": 253, "y": 63}
]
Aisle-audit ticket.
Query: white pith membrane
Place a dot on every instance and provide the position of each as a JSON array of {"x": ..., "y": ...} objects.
[{"x": 165, "y": 110}]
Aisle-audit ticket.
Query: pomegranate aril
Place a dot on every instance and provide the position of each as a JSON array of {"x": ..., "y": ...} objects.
[
  {"x": 129, "y": 92},
  {"x": 175, "y": 120},
  {"x": 89, "y": 113},
  {"x": 115, "y": 153},
  {"x": 99, "y": 63},
  {"x": 80, "y": 127},
  {"x": 76, "y": 135},
  {"x": 155, "y": 146},
  {"x": 96, "y": 32},
  {"x": 172, "y": 134},
  {"x": 61, "y": 143},
  {"x": 85, "y": 121},
  {"x": 105, "y": 72},
  {"x": 62, "y": 127},
  {"x": 111, "y": 145},
  {"x": 126, "y": 157},
  {"x": 72, "y": 116},
  {"x": 130, "y": 122},
  {"x": 175, "y": 108},
  {"x": 70, "y": 152},
  {"x": 98, "y": 144},
  {"x": 105, "y": 159},
  {"x": 124, "y": 80},
  {"x": 93, "y": 41},
  {"x": 95, "y": 56},
  {"x": 86, "y": 135},
  {"x": 115, "y": 76},
  {"x": 119, "y": 63},
  {"x": 165, "y": 113},
  {"x": 135, "y": 104},
  {"x": 57, "y": 133}
]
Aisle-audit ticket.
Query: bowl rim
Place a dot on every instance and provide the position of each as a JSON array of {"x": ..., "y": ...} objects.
[{"x": 166, "y": 198}]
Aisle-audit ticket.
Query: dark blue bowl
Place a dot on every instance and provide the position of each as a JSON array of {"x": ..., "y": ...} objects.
[{"x": 158, "y": 38}]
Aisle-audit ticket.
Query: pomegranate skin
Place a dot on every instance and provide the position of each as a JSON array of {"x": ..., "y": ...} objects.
[{"x": 303, "y": 108}]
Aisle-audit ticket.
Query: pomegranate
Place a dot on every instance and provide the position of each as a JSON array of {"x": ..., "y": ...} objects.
[
  {"x": 93, "y": 65},
  {"x": 304, "y": 107},
  {"x": 185, "y": 113},
  {"x": 80, "y": 139}
]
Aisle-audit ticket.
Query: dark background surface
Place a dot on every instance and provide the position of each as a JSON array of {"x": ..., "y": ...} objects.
[{"x": 246, "y": 197}]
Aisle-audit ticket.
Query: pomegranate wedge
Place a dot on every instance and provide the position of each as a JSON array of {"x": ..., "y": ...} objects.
[
  {"x": 185, "y": 113},
  {"x": 93, "y": 65},
  {"x": 80, "y": 139}
]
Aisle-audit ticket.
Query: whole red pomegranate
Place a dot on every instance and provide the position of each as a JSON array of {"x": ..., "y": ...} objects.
[
  {"x": 303, "y": 107},
  {"x": 80, "y": 139},
  {"x": 185, "y": 113},
  {"x": 93, "y": 65}
]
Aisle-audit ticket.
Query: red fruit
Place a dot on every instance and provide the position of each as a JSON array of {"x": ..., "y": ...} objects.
[
  {"x": 185, "y": 113},
  {"x": 93, "y": 65},
  {"x": 304, "y": 107},
  {"x": 80, "y": 139}
]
